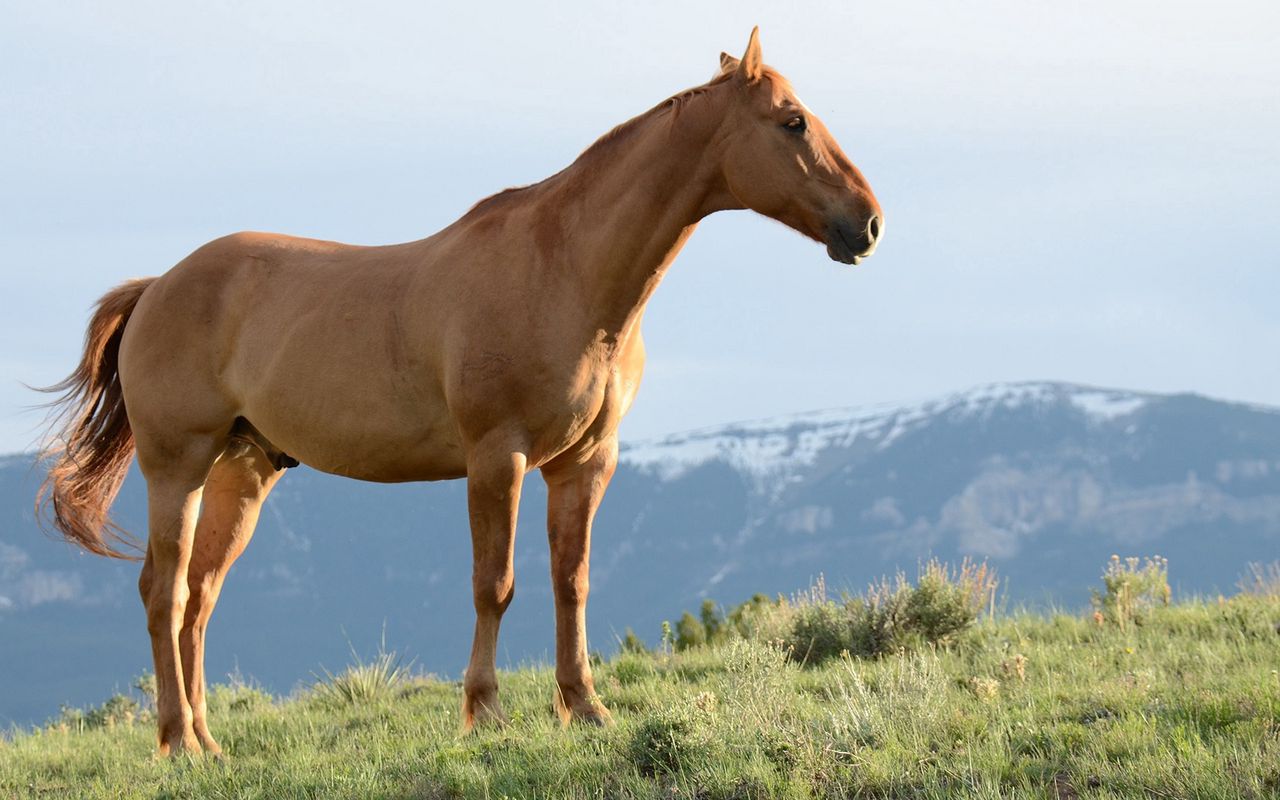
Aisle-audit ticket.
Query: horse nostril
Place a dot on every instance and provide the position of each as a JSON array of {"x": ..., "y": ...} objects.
[{"x": 873, "y": 229}]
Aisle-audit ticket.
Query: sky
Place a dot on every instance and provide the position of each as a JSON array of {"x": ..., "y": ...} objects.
[{"x": 1073, "y": 191}]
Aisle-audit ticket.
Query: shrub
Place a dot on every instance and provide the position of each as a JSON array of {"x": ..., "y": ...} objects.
[
  {"x": 118, "y": 710},
  {"x": 758, "y": 618},
  {"x": 672, "y": 741},
  {"x": 758, "y": 695},
  {"x": 690, "y": 632},
  {"x": 1132, "y": 590},
  {"x": 236, "y": 696},
  {"x": 712, "y": 621},
  {"x": 631, "y": 668},
  {"x": 633, "y": 644},
  {"x": 146, "y": 686},
  {"x": 819, "y": 631},
  {"x": 946, "y": 601},
  {"x": 903, "y": 700},
  {"x": 894, "y": 615}
]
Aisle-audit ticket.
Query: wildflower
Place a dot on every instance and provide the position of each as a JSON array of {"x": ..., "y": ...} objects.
[
  {"x": 706, "y": 702},
  {"x": 1015, "y": 666},
  {"x": 985, "y": 689}
]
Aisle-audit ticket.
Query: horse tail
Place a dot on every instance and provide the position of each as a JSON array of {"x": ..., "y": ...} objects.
[{"x": 90, "y": 443}]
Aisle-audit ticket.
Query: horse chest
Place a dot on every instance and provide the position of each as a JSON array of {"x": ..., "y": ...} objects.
[
  {"x": 562, "y": 404},
  {"x": 572, "y": 411},
  {"x": 566, "y": 416}
]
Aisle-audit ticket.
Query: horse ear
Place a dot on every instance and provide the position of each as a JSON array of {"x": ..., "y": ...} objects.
[
  {"x": 751, "y": 67},
  {"x": 728, "y": 65}
]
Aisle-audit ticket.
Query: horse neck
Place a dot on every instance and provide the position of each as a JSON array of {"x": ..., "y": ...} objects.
[{"x": 634, "y": 206}]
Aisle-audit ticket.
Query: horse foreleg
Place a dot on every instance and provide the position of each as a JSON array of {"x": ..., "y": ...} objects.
[
  {"x": 233, "y": 496},
  {"x": 573, "y": 494},
  {"x": 494, "y": 477},
  {"x": 173, "y": 499}
]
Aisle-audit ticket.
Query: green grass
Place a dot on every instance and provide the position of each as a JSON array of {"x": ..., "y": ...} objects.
[{"x": 1185, "y": 704}]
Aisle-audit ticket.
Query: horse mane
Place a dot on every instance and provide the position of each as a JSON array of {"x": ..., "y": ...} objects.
[{"x": 673, "y": 106}]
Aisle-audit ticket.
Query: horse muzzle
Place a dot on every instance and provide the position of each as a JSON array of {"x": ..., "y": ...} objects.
[{"x": 849, "y": 243}]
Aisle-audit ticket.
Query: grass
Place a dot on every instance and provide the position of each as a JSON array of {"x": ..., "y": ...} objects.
[
  {"x": 364, "y": 682},
  {"x": 1183, "y": 702}
]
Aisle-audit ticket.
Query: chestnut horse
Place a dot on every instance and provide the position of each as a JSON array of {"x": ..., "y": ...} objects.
[{"x": 507, "y": 342}]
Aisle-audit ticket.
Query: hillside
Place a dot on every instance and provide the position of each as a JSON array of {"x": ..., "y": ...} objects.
[
  {"x": 1026, "y": 705},
  {"x": 1045, "y": 480}
]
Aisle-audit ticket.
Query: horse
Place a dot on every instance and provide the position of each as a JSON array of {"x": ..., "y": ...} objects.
[{"x": 506, "y": 342}]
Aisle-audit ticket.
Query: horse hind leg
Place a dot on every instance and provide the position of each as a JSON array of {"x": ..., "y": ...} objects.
[
  {"x": 233, "y": 495},
  {"x": 176, "y": 471}
]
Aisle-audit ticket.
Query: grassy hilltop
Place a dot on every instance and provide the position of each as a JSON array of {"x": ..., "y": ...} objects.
[{"x": 906, "y": 691}]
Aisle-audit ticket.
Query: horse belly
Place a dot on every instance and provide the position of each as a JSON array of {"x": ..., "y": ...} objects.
[
  {"x": 358, "y": 418},
  {"x": 379, "y": 447}
]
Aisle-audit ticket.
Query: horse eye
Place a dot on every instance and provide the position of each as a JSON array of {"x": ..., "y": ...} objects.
[{"x": 795, "y": 124}]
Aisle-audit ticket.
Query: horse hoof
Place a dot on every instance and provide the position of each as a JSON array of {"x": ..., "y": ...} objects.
[
  {"x": 594, "y": 719},
  {"x": 588, "y": 711},
  {"x": 485, "y": 713},
  {"x": 180, "y": 746},
  {"x": 213, "y": 751}
]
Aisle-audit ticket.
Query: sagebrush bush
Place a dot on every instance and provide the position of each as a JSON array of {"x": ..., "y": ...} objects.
[
  {"x": 236, "y": 696},
  {"x": 1132, "y": 589},
  {"x": 145, "y": 684},
  {"x": 118, "y": 710},
  {"x": 819, "y": 631},
  {"x": 690, "y": 632},
  {"x": 630, "y": 643},
  {"x": 901, "y": 699},
  {"x": 946, "y": 601},
  {"x": 631, "y": 667},
  {"x": 893, "y": 615},
  {"x": 758, "y": 618},
  {"x": 673, "y": 740}
]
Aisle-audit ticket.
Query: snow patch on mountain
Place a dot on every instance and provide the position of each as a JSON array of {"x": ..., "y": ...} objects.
[
  {"x": 768, "y": 448},
  {"x": 1107, "y": 405}
]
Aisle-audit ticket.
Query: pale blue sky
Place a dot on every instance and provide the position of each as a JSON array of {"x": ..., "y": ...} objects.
[{"x": 1080, "y": 191}]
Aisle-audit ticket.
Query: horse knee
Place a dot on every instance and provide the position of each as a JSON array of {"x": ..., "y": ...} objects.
[
  {"x": 572, "y": 587},
  {"x": 493, "y": 597},
  {"x": 163, "y": 617}
]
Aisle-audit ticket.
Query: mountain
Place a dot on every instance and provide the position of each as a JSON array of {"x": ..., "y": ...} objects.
[{"x": 1045, "y": 480}]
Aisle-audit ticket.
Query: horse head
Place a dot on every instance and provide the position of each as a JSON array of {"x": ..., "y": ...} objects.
[{"x": 781, "y": 161}]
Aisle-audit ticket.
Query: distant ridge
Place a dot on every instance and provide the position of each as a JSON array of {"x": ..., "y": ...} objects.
[{"x": 767, "y": 444}]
